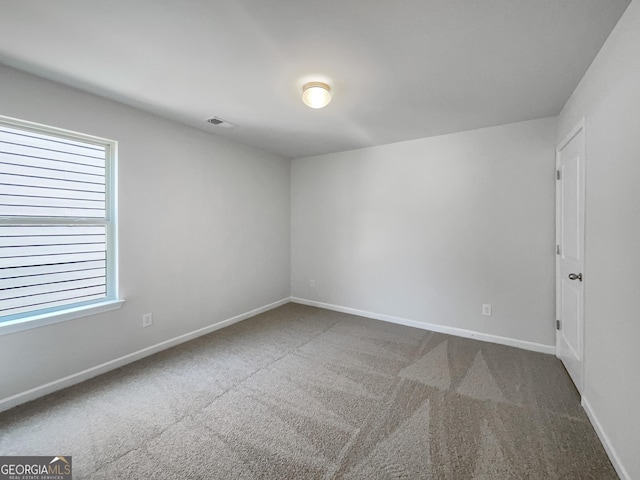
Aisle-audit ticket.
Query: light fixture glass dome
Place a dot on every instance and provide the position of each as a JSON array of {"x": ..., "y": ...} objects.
[{"x": 316, "y": 94}]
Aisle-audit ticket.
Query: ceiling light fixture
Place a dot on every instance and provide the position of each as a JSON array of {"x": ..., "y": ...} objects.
[{"x": 316, "y": 94}]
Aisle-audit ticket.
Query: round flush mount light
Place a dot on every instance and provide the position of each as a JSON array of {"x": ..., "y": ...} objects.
[{"x": 316, "y": 94}]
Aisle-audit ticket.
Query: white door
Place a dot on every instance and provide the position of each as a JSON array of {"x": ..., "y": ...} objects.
[{"x": 570, "y": 190}]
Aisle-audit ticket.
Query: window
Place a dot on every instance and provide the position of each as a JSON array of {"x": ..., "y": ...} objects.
[{"x": 57, "y": 224}]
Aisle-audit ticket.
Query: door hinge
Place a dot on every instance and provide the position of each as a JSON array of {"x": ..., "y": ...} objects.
[
  {"x": 558, "y": 175},
  {"x": 557, "y": 249},
  {"x": 557, "y": 324}
]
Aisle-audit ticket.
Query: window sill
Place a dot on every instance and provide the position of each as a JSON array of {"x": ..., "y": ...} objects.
[{"x": 36, "y": 321}]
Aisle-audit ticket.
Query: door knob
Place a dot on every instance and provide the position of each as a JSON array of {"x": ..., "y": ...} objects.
[{"x": 573, "y": 276}]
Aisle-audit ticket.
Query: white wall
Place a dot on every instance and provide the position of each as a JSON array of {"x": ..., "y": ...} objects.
[
  {"x": 609, "y": 98},
  {"x": 204, "y": 233},
  {"x": 429, "y": 230}
]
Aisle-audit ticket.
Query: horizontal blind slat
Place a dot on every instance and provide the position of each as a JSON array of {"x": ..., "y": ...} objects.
[
  {"x": 49, "y": 240},
  {"x": 45, "y": 250},
  {"x": 52, "y": 278},
  {"x": 17, "y": 273},
  {"x": 53, "y": 137},
  {"x": 44, "y": 301},
  {"x": 51, "y": 230},
  {"x": 33, "y": 211},
  {"x": 29, "y": 171},
  {"x": 50, "y": 143},
  {"x": 14, "y": 158},
  {"x": 8, "y": 295},
  {"x": 67, "y": 158},
  {"x": 7, "y": 179},
  {"x": 59, "y": 303},
  {"x": 13, "y": 262},
  {"x": 49, "y": 192},
  {"x": 26, "y": 201}
]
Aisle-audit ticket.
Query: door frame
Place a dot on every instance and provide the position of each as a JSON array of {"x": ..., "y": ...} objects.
[{"x": 581, "y": 125}]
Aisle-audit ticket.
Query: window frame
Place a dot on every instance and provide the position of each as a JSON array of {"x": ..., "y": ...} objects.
[{"x": 111, "y": 301}]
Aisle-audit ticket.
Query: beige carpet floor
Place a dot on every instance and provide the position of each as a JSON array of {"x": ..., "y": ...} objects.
[{"x": 305, "y": 393}]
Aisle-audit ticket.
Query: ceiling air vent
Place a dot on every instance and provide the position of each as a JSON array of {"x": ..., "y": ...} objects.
[{"x": 218, "y": 122}]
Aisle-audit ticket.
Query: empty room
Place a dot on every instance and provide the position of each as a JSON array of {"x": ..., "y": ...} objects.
[{"x": 339, "y": 240}]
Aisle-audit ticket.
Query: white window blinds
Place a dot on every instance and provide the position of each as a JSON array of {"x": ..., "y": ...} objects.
[{"x": 55, "y": 221}]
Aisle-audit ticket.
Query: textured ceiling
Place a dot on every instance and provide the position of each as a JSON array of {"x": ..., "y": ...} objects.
[{"x": 399, "y": 70}]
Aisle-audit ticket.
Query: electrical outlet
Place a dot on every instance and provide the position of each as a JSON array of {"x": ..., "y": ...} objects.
[
  {"x": 147, "y": 319},
  {"x": 486, "y": 309},
  {"x": 312, "y": 283}
]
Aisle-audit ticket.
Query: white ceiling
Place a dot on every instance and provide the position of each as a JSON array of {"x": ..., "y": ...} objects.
[{"x": 399, "y": 69}]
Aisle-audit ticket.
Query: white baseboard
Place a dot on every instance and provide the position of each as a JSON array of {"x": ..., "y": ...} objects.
[
  {"x": 32, "y": 394},
  {"x": 459, "y": 332},
  {"x": 604, "y": 439}
]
